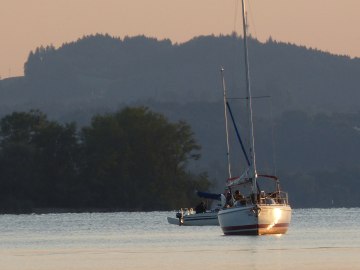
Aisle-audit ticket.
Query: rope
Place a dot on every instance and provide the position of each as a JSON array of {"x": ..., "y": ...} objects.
[
  {"x": 252, "y": 19},
  {"x": 236, "y": 14},
  {"x": 273, "y": 137}
]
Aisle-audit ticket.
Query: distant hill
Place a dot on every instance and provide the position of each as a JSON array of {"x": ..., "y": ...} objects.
[
  {"x": 103, "y": 71},
  {"x": 310, "y": 125}
]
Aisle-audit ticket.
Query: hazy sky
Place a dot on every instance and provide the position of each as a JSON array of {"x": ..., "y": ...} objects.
[{"x": 330, "y": 25}]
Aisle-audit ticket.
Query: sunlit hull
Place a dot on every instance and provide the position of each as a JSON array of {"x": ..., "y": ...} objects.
[{"x": 255, "y": 219}]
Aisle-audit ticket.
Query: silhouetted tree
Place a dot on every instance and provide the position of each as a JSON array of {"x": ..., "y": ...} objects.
[
  {"x": 133, "y": 159},
  {"x": 137, "y": 159}
]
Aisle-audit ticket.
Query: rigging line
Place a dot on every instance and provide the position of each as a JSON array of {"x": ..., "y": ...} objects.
[
  {"x": 273, "y": 137},
  {"x": 235, "y": 15},
  {"x": 235, "y": 61},
  {"x": 226, "y": 123},
  {"x": 248, "y": 88},
  {"x": 248, "y": 98},
  {"x": 252, "y": 19}
]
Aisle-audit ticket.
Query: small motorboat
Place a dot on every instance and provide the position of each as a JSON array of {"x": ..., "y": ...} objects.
[{"x": 199, "y": 216}]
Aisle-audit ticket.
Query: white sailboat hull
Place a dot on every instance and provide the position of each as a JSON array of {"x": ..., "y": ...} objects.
[
  {"x": 200, "y": 219},
  {"x": 255, "y": 219}
]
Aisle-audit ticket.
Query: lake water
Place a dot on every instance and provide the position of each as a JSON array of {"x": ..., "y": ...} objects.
[{"x": 317, "y": 239}]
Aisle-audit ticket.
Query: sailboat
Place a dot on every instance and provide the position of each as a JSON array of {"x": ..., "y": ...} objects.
[{"x": 254, "y": 211}]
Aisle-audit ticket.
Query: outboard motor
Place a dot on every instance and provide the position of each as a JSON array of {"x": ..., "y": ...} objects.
[
  {"x": 223, "y": 200},
  {"x": 180, "y": 217}
]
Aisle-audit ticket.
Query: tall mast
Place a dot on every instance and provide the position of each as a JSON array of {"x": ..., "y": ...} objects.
[
  {"x": 248, "y": 89},
  {"x": 226, "y": 123}
]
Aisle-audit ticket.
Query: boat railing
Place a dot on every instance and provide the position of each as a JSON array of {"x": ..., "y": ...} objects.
[{"x": 277, "y": 197}]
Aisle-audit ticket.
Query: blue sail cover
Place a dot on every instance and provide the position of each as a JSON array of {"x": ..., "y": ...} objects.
[
  {"x": 208, "y": 195},
  {"x": 238, "y": 134}
]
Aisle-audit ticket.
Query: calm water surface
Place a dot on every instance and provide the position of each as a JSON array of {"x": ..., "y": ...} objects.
[{"x": 317, "y": 239}]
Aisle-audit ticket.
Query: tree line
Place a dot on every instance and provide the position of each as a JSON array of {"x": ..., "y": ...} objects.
[
  {"x": 313, "y": 111},
  {"x": 104, "y": 71},
  {"x": 132, "y": 159},
  {"x": 137, "y": 160}
]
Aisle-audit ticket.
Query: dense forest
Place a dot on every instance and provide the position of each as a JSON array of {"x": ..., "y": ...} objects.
[
  {"x": 133, "y": 159},
  {"x": 307, "y": 132},
  {"x": 102, "y": 72}
]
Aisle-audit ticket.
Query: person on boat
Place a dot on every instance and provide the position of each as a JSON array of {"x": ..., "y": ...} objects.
[
  {"x": 237, "y": 195},
  {"x": 229, "y": 199},
  {"x": 239, "y": 198},
  {"x": 200, "y": 208}
]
